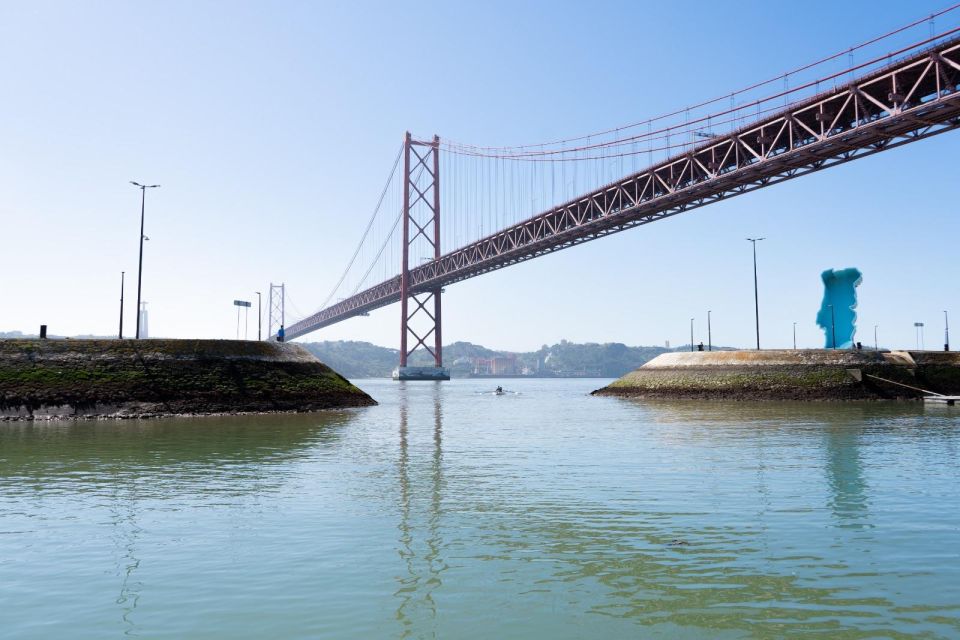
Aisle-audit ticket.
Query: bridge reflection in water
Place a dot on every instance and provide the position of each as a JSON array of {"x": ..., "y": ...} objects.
[
  {"x": 420, "y": 488},
  {"x": 641, "y": 562}
]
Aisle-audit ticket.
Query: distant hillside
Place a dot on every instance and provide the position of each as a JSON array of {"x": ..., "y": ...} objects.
[
  {"x": 355, "y": 359},
  {"x": 609, "y": 360}
]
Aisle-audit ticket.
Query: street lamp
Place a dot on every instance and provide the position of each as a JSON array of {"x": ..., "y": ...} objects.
[
  {"x": 876, "y": 343},
  {"x": 122, "y": 276},
  {"x": 919, "y": 330},
  {"x": 259, "y": 315},
  {"x": 794, "y": 336},
  {"x": 756, "y": 295},
  {"x": 709, "y": 333},
  {"x": 946, "y": 332},
  {"x": 691, "y": 334},
  {"x": 143, "y": 200}
]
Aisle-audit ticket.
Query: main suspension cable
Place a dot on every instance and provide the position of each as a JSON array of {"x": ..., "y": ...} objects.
[
  {"x": 507, "y": 151},
  {"x": 366, "y": 231},
  {"x": 685, "y": 127}
]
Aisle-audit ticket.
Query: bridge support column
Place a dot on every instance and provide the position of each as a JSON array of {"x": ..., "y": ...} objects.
[
  {"x": 276, "y": 313},
  {"x": 421, "y": 211}
]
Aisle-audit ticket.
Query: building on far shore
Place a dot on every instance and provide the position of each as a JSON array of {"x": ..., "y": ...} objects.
[{"x": 496, "y": 366}]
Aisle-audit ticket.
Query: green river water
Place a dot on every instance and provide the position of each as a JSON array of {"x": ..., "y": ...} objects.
[{"x": 448, "y": 512}]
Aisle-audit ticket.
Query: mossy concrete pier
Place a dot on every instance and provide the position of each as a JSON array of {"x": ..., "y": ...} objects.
[
  {"x": 788, "y": 374},
  {"x": 149, "y": 378}
]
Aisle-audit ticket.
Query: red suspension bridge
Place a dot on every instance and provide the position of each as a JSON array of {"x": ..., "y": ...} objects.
[{"x": 504, "y": 205}]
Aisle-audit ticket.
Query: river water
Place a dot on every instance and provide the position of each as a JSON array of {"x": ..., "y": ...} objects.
[{"x": 453, "y": 513}]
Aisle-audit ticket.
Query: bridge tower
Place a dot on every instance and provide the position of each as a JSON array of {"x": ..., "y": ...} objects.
[
  {"x": 421, "y": 229},
  {"x": 277, "y": 308}
]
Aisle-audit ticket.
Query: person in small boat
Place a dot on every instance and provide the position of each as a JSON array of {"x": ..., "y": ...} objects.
[{"x": 499, "y": 389}]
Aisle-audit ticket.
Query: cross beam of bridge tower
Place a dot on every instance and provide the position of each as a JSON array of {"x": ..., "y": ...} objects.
[{"x": 421, "y": 230}]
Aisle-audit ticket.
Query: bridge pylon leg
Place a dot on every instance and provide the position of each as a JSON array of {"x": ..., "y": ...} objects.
[
  {"x": 276, "y": 309},
  {"x": 420, "y": 325}
]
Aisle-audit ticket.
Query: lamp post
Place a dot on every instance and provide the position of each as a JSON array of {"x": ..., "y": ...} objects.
[
  {"x": 259, "y": 315},
  {"x": 756, "y": 295},
  {"x": 876, "y": 343},
  {"x": 709, "y": 333},
  {"x": 143, "y": 200},
  {"x": 691, "y": 334},
  {"x": 946, "y": 332},
  {"x": 919, "y": 330},
  {"x": 833, "y": 328},
  {"x": 122, "y": 276},
  {"x": 794, "y": 336}
]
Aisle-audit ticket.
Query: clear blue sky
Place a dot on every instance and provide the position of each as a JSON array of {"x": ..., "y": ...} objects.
[{"x": 261, "y": 120}]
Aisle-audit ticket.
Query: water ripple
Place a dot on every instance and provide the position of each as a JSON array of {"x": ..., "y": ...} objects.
[{"x": 444, "y": 512}]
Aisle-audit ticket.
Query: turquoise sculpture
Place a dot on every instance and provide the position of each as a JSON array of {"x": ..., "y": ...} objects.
[{"x": 838, "y": 315}]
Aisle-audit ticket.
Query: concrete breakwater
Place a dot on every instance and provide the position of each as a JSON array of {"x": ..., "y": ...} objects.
[
  {"x": 147, "y": 378},
  {"x": 805, "y": 374}
]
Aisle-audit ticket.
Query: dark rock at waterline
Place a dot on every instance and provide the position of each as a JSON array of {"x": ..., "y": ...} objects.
[
  {"x": 788, "y": 374},
  {"x": 146, "y": 378}
]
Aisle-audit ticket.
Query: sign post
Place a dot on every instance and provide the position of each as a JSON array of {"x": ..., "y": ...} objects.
[{"x": 244, "y": 305}]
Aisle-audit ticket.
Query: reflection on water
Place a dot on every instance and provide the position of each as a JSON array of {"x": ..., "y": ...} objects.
[
  {"x": 125, "y": 535},
  {"x": 216, "y": 453},
  {"x": 845, "y": 476},
  {"x": 418, "y": 609},
  {"x": 123, "y": 467},
  {"x": 447, "y": 512}
]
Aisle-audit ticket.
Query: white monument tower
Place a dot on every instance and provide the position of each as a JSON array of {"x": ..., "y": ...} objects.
[{"x": 144, "y": 331}]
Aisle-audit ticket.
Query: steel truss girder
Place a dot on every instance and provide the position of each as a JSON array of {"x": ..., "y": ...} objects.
[{"x": 908, "y": 100}]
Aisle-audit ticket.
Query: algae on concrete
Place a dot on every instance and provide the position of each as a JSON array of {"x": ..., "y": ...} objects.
[
  {"x": 126, "y": 378},
  {"x": 792, "y": 375}
]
